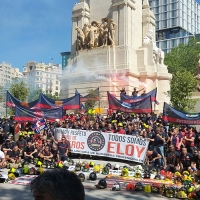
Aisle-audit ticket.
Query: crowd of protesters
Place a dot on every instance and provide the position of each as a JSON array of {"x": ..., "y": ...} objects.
[{"x": 172, "y": 148}]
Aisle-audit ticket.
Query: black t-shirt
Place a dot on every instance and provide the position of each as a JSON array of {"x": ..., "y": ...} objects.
[
  {"x": 45, "y": 153},
  {"x": 151, "y": 135},
  {"x": 158, "y": 141},
  {"x": 3, "y": 137},
  {"x": 186, "y": 160},
  {"x": 8, "y": 146},
  {"x": 154, "y": 155},
  {"x": 171, "y": 157},
  {"x": 136, "y": 132},
  {"x": 21, "y": 144},
  {"x": 6, "y": 127},
  {"x": 197, "y": 161},
  {"x": 54, "y": 152},
  {"x": 14, "y": 155},
  {"x": 29, "y": 150},
  {"x": 62, "y": 148}
]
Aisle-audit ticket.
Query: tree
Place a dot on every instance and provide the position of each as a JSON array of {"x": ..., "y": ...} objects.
[
  {"x": 91, "y": 102},
  {"x": 33, "y": 95},
  {"x": 19, "y": 90},
  {"x": 183, "y": 57},
  {"x": 54, "y": 97},
  {"x": 182, "y": 84},
  {"x": 1, "y": 93}
]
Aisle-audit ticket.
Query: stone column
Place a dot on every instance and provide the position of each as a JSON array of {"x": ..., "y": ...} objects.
[
  {"x": 80, "y": 16},
  {"x": 148, "y": 19}
]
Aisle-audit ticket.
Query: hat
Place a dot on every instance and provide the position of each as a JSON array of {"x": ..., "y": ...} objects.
[
  {"x": 57, "y": 120},
  {"x": 94, "y": 22},
  {"x": 7, "y": 140},
  {"x": 71, "y": 113},
  {"x": 120, "y": 124}
]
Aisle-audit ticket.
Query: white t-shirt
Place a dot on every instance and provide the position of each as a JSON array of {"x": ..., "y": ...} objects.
[{"x": 1, "y": 155}]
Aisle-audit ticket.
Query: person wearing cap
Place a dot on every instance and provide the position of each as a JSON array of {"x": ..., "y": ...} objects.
[
  {"x": 7, "y": 147},
  {"x": 21, "y": 143},
  {"x": 6, "y": 126},
  {"x": 120, "y": 129},
  {"x": 14, "y": 155}
]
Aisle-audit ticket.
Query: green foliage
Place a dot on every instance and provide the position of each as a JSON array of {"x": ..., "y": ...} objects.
[
  {"x": 183, "y": 84},
  {"x": 54, "y": 97},
  {"x": 35, "y": 94},
  {"x": 1, "y": 93},
  {"x": 91, "y": 102},
  {"x": 19, "y": 90},
  {"x": 183, "y": 57}
]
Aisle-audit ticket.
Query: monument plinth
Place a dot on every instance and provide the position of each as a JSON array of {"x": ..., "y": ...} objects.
[{"x": 113, "y": 46}]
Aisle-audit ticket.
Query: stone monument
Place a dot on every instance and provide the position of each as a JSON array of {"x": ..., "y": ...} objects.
[{"x": 113, "y": 46}]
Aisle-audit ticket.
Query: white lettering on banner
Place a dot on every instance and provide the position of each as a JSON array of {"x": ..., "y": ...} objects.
[{"x": 96, "y": 143}]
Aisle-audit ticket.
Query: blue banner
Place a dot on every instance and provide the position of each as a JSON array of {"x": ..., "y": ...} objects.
[
  {"x": 131, "y": 99},
  {"x": 171, "y": 115},
  {"x": 143, "y": 106},
  {"x": 32, "y": 115}
]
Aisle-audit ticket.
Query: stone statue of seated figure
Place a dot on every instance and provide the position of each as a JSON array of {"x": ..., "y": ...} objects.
[{"x": 158, "y": 54}]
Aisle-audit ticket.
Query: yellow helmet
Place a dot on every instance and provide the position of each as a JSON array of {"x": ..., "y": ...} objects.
[
  {"x": 181, "y": 195},
  {"x": 124, "y": 172},
  {"x": 96, "y": 169},
  {"x": 120, "y": 124},
  {"x": 186, "y": 173},
  {"x": 91, "y": 164},
  {"x": 11, "y": 176},
  {"x": 59, "y": 164},
  {"x": 40, "y": 170},
  {"x": 101, "y": 166},
  {"x": 12, "y": 170},
  {"x": 21, "y": 134}
]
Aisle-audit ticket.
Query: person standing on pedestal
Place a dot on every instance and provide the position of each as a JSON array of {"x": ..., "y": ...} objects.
[
  {"x": 123, "y": 91},
  {"x": 135, "y": 92}
]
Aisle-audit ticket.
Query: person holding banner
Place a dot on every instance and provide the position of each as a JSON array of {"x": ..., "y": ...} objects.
[
  {"x": 63, "y": 148},
  {"x": 135, "y": 92}
]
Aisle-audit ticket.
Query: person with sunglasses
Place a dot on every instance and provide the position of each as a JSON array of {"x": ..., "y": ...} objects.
[{"x": 63, "y": 148}]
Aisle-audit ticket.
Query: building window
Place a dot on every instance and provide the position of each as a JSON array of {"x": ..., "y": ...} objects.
[
  {"x": 56, "y": 82},
  {"x": 56, "y": 87},
  {"x": 164, "y": 23},
  {"x": 165, "y": 8}
]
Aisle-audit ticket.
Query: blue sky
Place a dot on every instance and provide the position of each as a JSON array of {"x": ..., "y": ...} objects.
[{"x": 36, "y": 30}]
